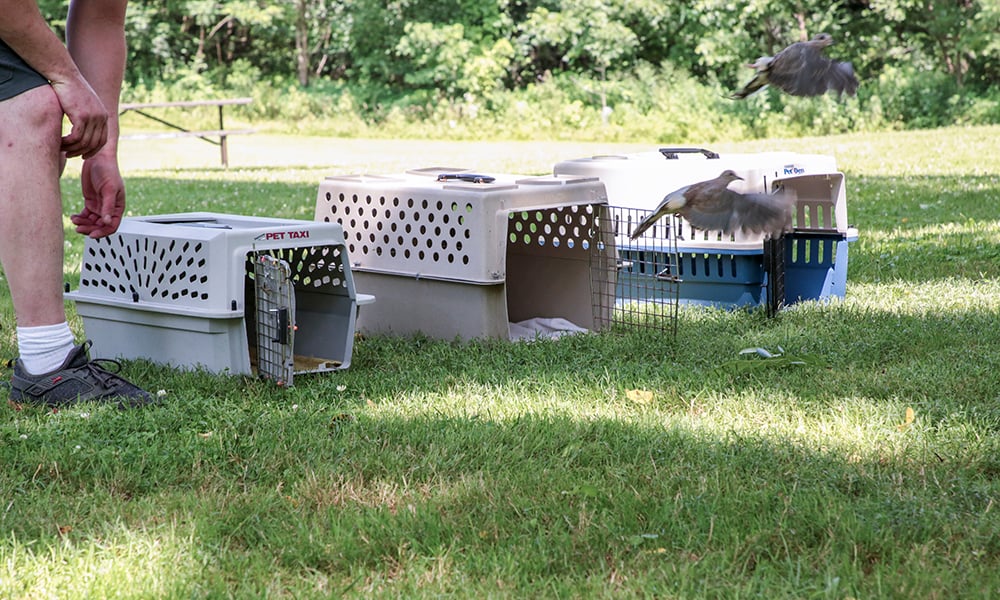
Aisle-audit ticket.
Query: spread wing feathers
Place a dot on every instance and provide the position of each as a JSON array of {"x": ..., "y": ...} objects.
[
  {"x": 803, "y": 70},
  {"x": 730, "y": 212}
]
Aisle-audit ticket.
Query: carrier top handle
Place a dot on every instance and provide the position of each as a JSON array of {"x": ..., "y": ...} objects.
[
  {"x": 470, "y": 177},
  {"x": 671, "y": 153}
]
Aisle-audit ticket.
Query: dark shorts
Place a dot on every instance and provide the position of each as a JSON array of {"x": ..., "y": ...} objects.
[{"x": 15, "y": 74}]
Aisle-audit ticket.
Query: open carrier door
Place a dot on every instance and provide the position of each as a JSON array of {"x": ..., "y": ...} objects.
[{"x": 275, "y": 319}]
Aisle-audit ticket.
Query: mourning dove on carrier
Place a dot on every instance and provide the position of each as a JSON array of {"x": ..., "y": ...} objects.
[
  {"x": 712, "y": 206},
  {"x": 802, "y": 70}
]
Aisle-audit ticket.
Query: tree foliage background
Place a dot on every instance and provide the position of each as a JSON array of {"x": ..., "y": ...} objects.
[{"x": 524, "y": 68}]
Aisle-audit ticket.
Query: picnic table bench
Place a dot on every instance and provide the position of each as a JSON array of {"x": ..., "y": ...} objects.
[{"x": 208, "y": 135}]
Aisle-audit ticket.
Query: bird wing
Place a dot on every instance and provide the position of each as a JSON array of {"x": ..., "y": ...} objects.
[
  {"x": 729, "y": 212},
  {"x": 841, "y": 79},
  {"x": 803, "y": 70},
  {"x": 711, "y": 210},
  {"x": 763, "y": 213}
]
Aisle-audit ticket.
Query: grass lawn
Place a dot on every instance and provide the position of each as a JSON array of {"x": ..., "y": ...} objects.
[{"x": 624, "y": 464}]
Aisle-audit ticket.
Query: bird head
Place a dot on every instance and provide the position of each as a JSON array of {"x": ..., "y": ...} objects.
[
  {"x": 730, "y": 176},
  {"x": 822, "y": 40}
]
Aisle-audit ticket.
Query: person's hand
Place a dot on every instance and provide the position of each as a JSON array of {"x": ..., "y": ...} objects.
[
  {"x": 103, "y": 197},
  {"x": 86, "y": 113}
]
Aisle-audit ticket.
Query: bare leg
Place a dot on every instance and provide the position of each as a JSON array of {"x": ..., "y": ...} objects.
[{"x": 31, "y": 221}]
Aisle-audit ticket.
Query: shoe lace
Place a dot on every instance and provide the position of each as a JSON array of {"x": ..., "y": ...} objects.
[{"x": 108, "y": 378}]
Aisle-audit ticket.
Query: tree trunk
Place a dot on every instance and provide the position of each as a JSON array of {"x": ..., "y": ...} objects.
[{"x": 302, "y": 42}]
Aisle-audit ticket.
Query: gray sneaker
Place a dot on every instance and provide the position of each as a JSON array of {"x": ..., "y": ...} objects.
[{"x": 79, "y": 379}]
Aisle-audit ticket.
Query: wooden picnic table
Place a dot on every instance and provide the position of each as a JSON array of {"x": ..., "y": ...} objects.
[{"x": 208, "y": 135}]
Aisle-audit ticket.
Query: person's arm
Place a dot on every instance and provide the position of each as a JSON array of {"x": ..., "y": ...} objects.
[
  {"x": 95, "y": 36},
  {"x": 26, "y": 32}
]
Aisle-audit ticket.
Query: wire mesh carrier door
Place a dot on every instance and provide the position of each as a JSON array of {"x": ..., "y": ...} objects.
[
  {"x": 774, "y": 267},
  {"x": 275, "y": 319},
  {"x": 647, "y": 286}
]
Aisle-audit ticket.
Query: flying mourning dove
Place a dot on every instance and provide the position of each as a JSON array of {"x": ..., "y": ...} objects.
[
  {"x": 712, "y": 206},
  {"x": 802, "y": 70}
]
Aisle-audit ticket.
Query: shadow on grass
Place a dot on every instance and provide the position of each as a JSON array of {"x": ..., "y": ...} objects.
[{"x": 529, "y": 500}]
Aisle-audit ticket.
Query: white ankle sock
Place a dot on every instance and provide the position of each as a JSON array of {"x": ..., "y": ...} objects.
[{"x": 44, "y": 349}]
